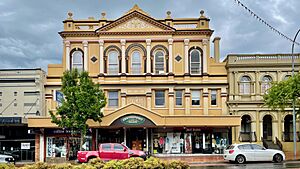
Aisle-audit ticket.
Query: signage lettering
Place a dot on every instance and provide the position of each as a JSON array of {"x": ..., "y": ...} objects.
[{"x": 133, "y": 120}]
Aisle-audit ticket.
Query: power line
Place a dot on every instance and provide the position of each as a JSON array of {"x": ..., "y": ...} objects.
[{"x": 264, "y": 22}]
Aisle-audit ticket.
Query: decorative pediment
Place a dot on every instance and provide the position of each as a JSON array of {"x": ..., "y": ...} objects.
[{"x": 135, "y": 22}]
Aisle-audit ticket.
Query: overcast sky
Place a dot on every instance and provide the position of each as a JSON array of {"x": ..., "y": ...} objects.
[{"x": 29, "y": 28}]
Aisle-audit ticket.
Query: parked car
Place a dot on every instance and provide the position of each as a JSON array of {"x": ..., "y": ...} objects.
[
  {"x": 240, "y": 153},
  {"x": 110, "y": 151},
  {"x": 7, "y": 159}
]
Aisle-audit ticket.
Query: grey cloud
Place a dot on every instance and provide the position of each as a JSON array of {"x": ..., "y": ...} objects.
[{"x": 28, "y": 29}]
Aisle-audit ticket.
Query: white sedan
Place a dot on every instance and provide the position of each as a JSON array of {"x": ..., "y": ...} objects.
[{"x": 240, "y": 153}]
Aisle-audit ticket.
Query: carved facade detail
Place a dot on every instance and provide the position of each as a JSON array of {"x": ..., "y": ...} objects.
[
  {"x": 139, "y": 100},
  {"x": 135, "y": 23}
]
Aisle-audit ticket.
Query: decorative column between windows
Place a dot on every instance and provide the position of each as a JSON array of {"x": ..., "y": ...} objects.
[
  {"x": 148, "y": 96},
  {"x": 123, "y": 99},
  {"x": 123, "y": 43},
  {"x": 101, "y": 58},
  {"x": 68, "y": 57},
  {"x": 187, "y": 96},
  {"x": 186, "y": 56},
  {"x": 223, "y": 101},
  {"x": 171, "y": 101},
  {"x": 205, "y": 43},
  {"x": 205, "y": 101},
  {"x": 148, "y": 60},
  {"x": 85, "y": 55},
  {"x": 170, "y": 55}
]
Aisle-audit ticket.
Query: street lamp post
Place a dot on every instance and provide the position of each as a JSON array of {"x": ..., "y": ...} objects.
[{"x": 294, "y": 112}]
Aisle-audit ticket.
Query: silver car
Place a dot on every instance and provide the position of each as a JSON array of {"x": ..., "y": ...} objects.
[
  {"x": 240, "y": 153},
  {"x": 7, "y": 159}
]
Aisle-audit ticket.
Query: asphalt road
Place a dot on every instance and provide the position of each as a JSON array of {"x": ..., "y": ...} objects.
[{"x": 264, "y": 165}]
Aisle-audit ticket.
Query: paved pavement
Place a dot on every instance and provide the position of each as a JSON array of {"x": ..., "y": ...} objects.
[{"x": 264, "y": 165}]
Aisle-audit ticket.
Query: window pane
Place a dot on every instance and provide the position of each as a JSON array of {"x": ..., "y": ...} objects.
[
  {"x": 118, "y": 147},
  {"x": 136, "y": 64},
  {"x": 113, "y": 62},
  {"x": 178, "y": 95},
  {"x": 159, "y": 98},
  {"x": 159, "y": 62},
  {"x": 195, "y": 57},
  {"x": 256, "y": 147},
  {"x": 77, "y": 60},
  {"x": 195, "y": 97},
  {"x": 105, "y": 146},
  {"x": 195, "y": 65},
  {"x": 113, "y": 99},
  {"x": 213, "y": 98}
]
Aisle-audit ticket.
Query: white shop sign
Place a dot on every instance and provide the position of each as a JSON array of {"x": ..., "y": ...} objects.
[{"x": 25, "y": 146}]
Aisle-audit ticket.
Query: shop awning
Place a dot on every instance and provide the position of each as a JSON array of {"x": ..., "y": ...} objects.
[{"x": 140, "y": 115}]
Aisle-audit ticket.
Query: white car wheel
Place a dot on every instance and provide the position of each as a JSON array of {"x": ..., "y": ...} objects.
[
  {"x": 240, "y": 159},
  {"x": 278, "y": 158}
]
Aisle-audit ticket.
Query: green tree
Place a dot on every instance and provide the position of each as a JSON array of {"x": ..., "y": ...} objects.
[
  {"x": 83, "y": 100},
  {"x": 282, "y": 94}
]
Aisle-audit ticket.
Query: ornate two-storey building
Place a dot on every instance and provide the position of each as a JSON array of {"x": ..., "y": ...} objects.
[
  {"x": 250, "y": 76},
  {"x": 165, "y": 91}
]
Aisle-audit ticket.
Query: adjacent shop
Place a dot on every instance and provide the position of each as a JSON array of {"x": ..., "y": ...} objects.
[{"x": 16, "y": 139}]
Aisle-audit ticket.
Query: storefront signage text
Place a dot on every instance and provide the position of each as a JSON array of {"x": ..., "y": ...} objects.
[
  {"x": 133, "y": 120},
  {"x": 25, "y": 146},
  {"x": 10, "y": 120}
]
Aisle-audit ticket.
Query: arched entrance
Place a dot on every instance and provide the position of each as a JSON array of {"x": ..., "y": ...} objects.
[
  {"x": 288, "y": 128},
  {"x": 267, "y": 127},
  {"x": 246, "y": 134}
]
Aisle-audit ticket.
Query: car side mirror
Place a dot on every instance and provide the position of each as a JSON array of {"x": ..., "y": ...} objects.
[
  {"x": 124, "y": 149},
  {"x": 263, "y": 148}
]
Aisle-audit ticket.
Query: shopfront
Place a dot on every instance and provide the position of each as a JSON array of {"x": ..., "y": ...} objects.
[
  {"x": 16, "y": 139},
  {"x": 140, "y": 133},
  {"x": 62, "y": 145}
]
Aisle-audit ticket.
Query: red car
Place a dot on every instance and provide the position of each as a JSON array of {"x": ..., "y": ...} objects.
[{"x": 110, "y": 151}]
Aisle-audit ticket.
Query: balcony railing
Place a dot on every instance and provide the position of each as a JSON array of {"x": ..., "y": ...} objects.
[
  {"x": 289, "y": 136},
  {"x": 247, "y": 137},
  {"x": 262, "y": 58}
]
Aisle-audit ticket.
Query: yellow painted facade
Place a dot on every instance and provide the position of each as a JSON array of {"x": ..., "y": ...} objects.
[{"x": 137, "y": 31}]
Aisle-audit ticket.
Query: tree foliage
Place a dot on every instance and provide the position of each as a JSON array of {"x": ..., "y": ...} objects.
[
  {"x": 83, "y": 100},
  {"x": 282, "y": 94}
]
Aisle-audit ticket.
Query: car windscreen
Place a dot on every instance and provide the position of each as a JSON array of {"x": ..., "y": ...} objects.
[{"x": 230, "y": 147}]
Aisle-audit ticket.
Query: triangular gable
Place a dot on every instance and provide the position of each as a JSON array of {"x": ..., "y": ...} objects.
[{"x": 135, "y": 21}]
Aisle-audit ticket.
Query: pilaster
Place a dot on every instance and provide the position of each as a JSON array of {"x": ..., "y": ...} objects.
[
  {"x": 101, "y": 57},
  {"x": 170, "y": 41},
  {"x": 205, "y": 44},
  {"x": 67, "y": 44},
  {"x": 187, "y": 96},
  {"x": 85, "y": 55},
  {"x": 171, "y": 101},
  {"x": 148, "y": 60},
  {"x": 123, "y": 43},
  {"x": 186, "y": 56}
]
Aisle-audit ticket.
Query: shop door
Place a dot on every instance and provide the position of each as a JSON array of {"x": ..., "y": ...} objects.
[
  {"x": 197, "y": 142},
  {"x": 136, "y": 138}
]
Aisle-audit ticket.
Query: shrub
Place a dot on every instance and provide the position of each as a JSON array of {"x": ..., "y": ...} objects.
[
  {"x": 176, "y": 164},
  {"x": 84, "y": 166},
  {"x": 134, "y": 163},
  {"x": 39, "y": 165},
  {"x": 63, "y": 166},
  {"x": 7, "y": 166},
  {"x": 97, "y": 163},
  {"x": 113, "y": 164},
  {"x": 156, "y": 163}
]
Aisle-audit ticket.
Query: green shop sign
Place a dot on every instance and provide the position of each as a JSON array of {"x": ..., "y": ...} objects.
[{"x": 133, "y": 120}]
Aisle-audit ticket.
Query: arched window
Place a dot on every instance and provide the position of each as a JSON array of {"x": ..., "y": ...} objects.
[
  {"x": 77, "y": 60},
  {"x": 136, "y": 63},
  {"x": 195, "y": 62},
  {"x": 159, "y": 62},
  {"x": 245, "y": 85},
  {"x": 113, "y": 62},
  {"x": 266, "y": 83}
]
